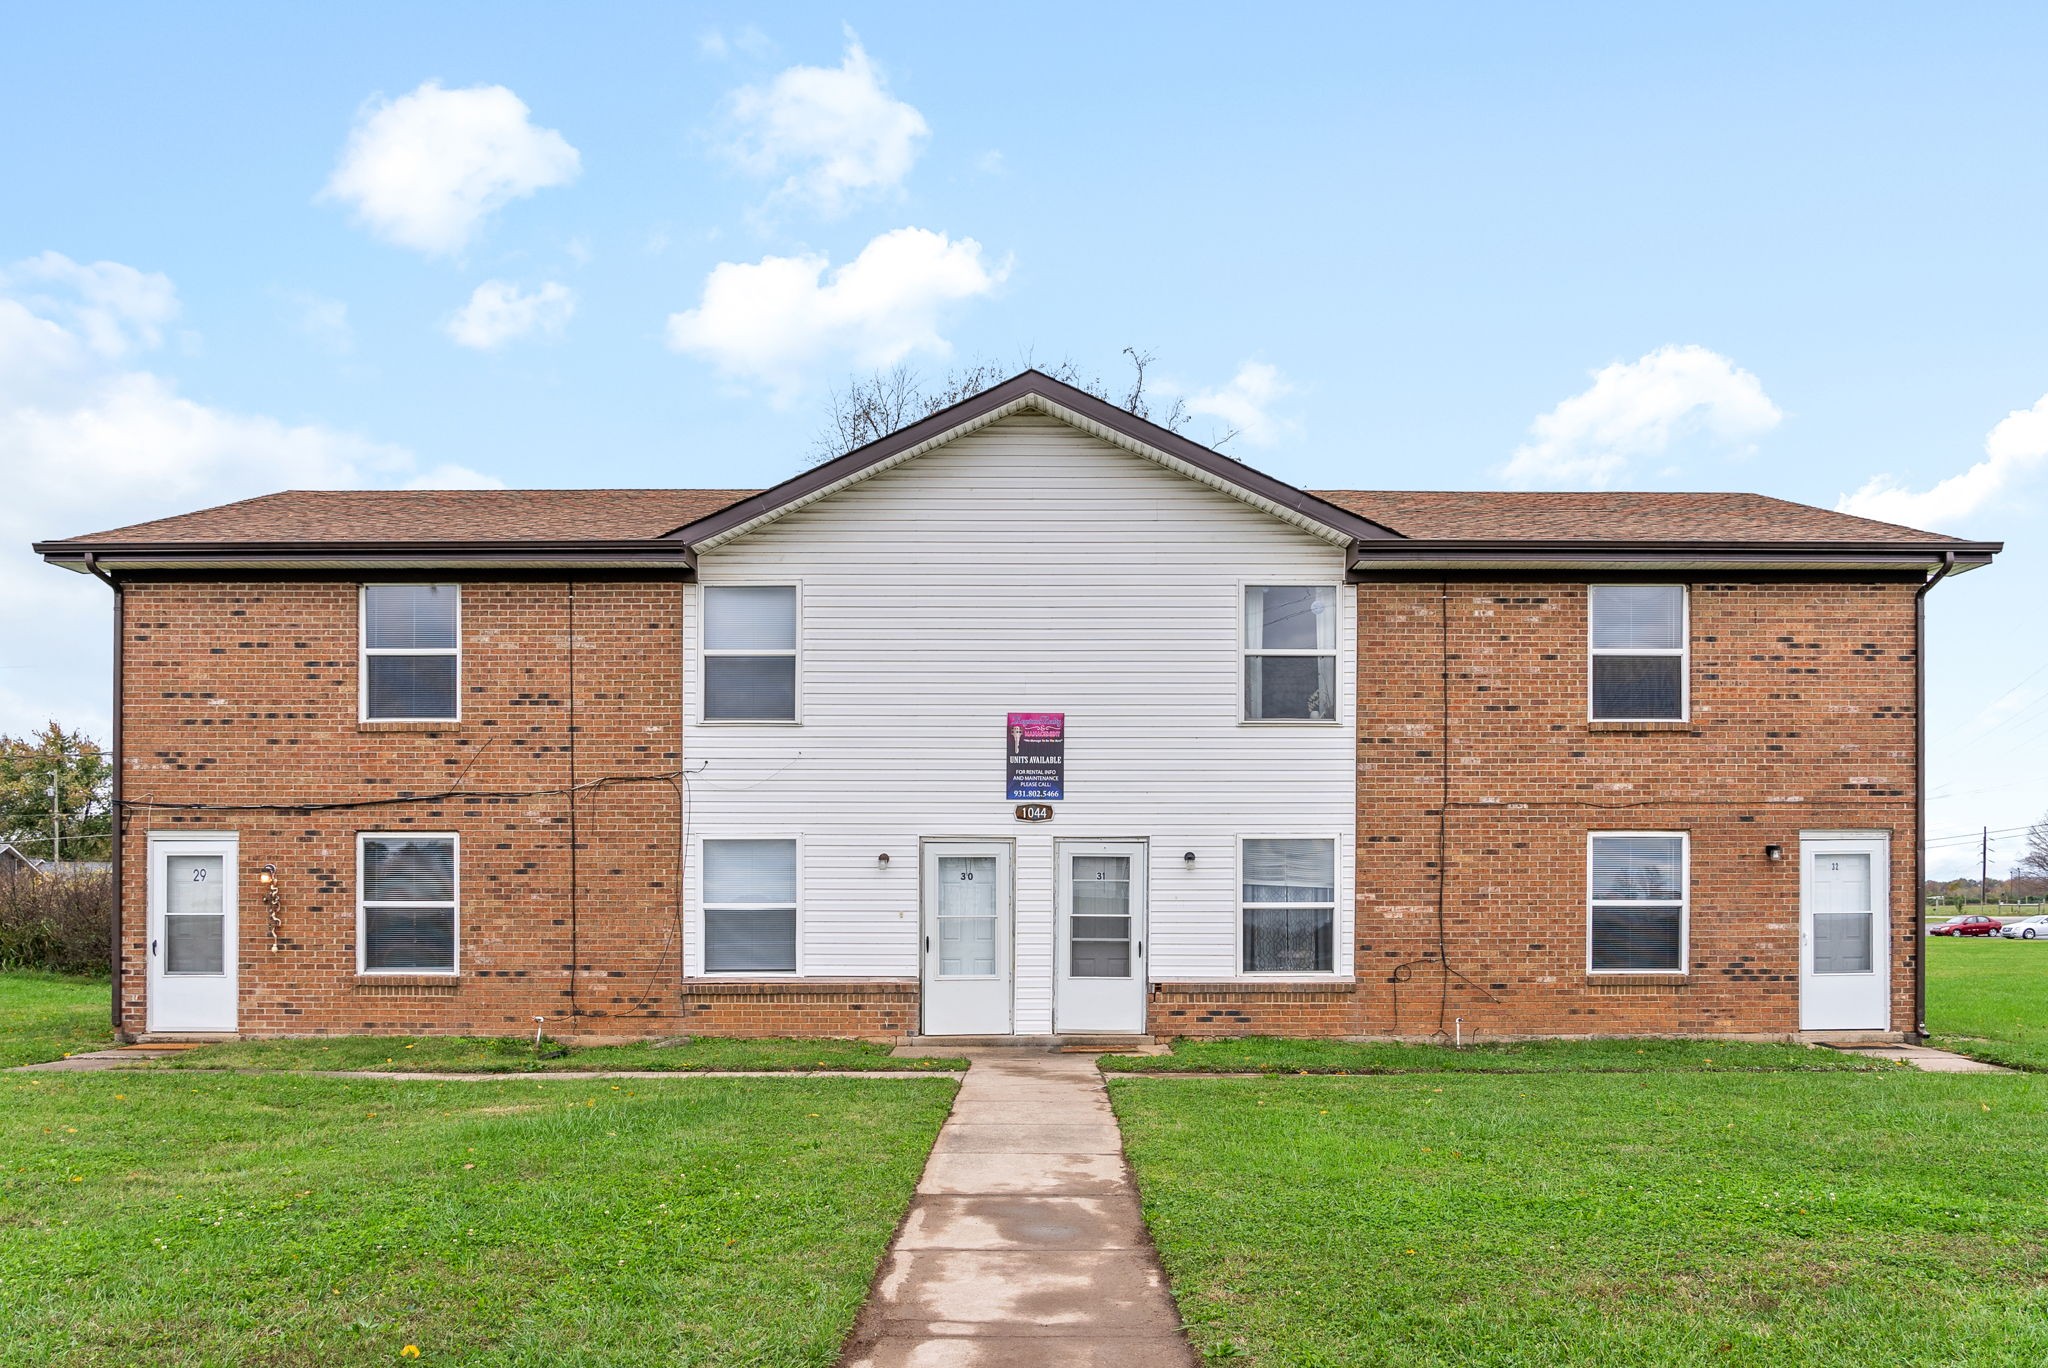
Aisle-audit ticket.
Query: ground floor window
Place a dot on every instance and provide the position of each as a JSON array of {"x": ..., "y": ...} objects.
[
  {"x": 1288, "y": 904},
  {"x": 1636, "y": 883},
  {"x": 750, "y": 907},
  {"x": 405, "y": 903}
]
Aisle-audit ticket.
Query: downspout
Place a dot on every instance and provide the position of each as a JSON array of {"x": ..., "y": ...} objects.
[
  {"x": 115, "y": 818},
  {"x": 1948, "y": 563}
]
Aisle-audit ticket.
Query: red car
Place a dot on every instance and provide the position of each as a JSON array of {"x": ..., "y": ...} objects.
[{"x": 1976, "y": 924}]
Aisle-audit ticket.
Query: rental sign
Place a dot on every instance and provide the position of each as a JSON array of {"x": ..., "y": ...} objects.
[{"x": 1035, "y": 747}]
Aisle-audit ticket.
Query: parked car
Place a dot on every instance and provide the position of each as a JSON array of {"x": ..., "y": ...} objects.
[
  {"x": 2026, "y": 928},
  {"x": 1975, "y": 924}
]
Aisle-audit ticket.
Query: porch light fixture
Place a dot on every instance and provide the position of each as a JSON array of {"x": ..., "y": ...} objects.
[
  {"x": 1774, "y": 853},
  {"x": 273, "y": 903},
  {"x": 1188, "y": 858},
  {"x": 882, "y": 860}
]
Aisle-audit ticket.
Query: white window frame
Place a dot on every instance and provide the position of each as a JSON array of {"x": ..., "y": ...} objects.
[
  {"x": 1245, "y": 653},
  {"x": 1337, "y": 932},
  {"x": 795, "y": 653},
  {"x": 1683, "y": 651},
  {"x": 704, "y": 906},
  {"x": 1684, "y": 902},
  {"x": 454, "y": 968},
  {"x": 364, "y": 650}
]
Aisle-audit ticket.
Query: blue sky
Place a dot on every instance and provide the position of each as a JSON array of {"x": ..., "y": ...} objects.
[{"x": 1733, "y": 247}]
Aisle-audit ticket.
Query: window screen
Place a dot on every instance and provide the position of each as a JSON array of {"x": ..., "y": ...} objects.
[
  {"x": 411, "y": 652},
  {"x": 1637, "y": 903},
  {"x": 1289, "y": 899},
  {"x": 1638, "y": 653},
  {"x": 750, "y": 907},
  {"x": 750, "y": 653},
  {"x": 407, "y": 900}
]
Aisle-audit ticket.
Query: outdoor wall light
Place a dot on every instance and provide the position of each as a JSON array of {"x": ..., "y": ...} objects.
[
  {"x": 1774, "y": 853},
  {"x": 1188, "y": 858},
  {"x": 882, "y": 860},
  {"x": 273, "y": 903}
]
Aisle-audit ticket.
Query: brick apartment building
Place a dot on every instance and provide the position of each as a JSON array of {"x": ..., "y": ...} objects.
[{"x": 1030, "y": 719}]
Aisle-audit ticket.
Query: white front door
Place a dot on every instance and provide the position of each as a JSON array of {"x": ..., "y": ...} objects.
[
  {"x": 192, "y": 933},
  {"x": 1844, "y": 931},
  {"x": 968, "y": 965},
  {"x": 1099, "y": 968}
]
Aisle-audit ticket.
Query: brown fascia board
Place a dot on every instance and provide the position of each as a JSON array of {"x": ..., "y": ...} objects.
[
  {"x": 118, "y": 556},
  {"x": 1367, "y": 557},
  {"x": 1021, "y": 386}
]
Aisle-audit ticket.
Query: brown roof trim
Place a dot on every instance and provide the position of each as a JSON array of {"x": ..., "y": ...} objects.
[
  {"x": 1026, "y": 385},
  {"x": 1369, "y": 556},
  {"x": 118, "y": 556}
]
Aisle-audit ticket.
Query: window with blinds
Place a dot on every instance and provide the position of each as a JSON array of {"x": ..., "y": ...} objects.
[
  {"x": 750, "y": 907},
  {"x": 405, "y": 903},
  {"x": 411, "y": 652},
  {"x": 1637, "y": 653},
  {"x": 750, "y": 653},
  {"x": 1636, "y": 896}
]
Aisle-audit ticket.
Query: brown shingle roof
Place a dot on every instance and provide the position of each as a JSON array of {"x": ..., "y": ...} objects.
[
  {"x": 433, "y": 515},
  {"x": 569, "y": 515},
  {"x": 1457, "y": 515}
]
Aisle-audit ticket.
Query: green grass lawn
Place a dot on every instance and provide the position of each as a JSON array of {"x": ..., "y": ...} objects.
[
  {"x": 1269, "y": 1054},
  {"x": 1600, "y": 1219},
  {"x": 480, "y": 1054},
  {"x": 1989, "y": 999},
  {"x": 190, "y": 1218},
  {"x": 47, "y": 1016}
]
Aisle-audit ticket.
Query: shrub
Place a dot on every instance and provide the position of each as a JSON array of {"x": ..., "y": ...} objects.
[{"x": 58, "y": 923}]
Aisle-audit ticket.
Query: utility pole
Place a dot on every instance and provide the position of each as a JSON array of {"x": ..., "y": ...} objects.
[
  {"x": 56, "y": 830},
  {"x": 1984, "y": 868}
]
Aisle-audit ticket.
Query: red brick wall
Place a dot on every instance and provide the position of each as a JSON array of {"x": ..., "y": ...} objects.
[{"x": 1802, "y": 719}]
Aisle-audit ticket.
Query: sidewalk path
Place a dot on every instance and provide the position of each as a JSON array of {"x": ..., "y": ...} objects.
[{"x": 1024, "y": 1245}]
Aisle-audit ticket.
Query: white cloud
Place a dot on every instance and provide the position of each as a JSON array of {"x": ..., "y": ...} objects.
[
  {"x": 1638, "y": 409},
  {"x": 111, "y": 308},
  {"x": 1246, "y": 403},
  {"x": 747, "y": 40},
  {"x": 766, "y": 321},
  {"x": 425, "y": 169},
  {"x": 93, "y": 444},
  {"x": 835, "y": 133},
  {"x": 2012, "y": 450},
  {"x": 499, "y": 312}
]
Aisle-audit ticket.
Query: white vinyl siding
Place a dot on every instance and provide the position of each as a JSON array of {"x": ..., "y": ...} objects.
[
  {"x": 1637, "y": 668},
  {"x": 1026, "y": 567},
  {"x": 410, "y": 657}
]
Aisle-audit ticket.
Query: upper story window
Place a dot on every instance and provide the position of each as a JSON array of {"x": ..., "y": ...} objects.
[
  {"x": 750, "y": 653},
  {"x": 1290, "y": 653},
  {"x": 1636, "y": 902},
  {"x": 1288, "y": 904},
  {"x": 412, "y": 652},
  {"x": 750, "y": 907},
  {"x": 1638, "y": 648},
  {"x": 405, "y": 903}
]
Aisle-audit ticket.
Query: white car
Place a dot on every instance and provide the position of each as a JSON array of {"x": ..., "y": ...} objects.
[{"x": 2026, "y": 928}]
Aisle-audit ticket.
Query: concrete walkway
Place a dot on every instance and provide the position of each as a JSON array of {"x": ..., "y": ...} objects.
[
  {"x": 1927, "y": 1059},
  {"x": 1024, "y": 1245}
]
